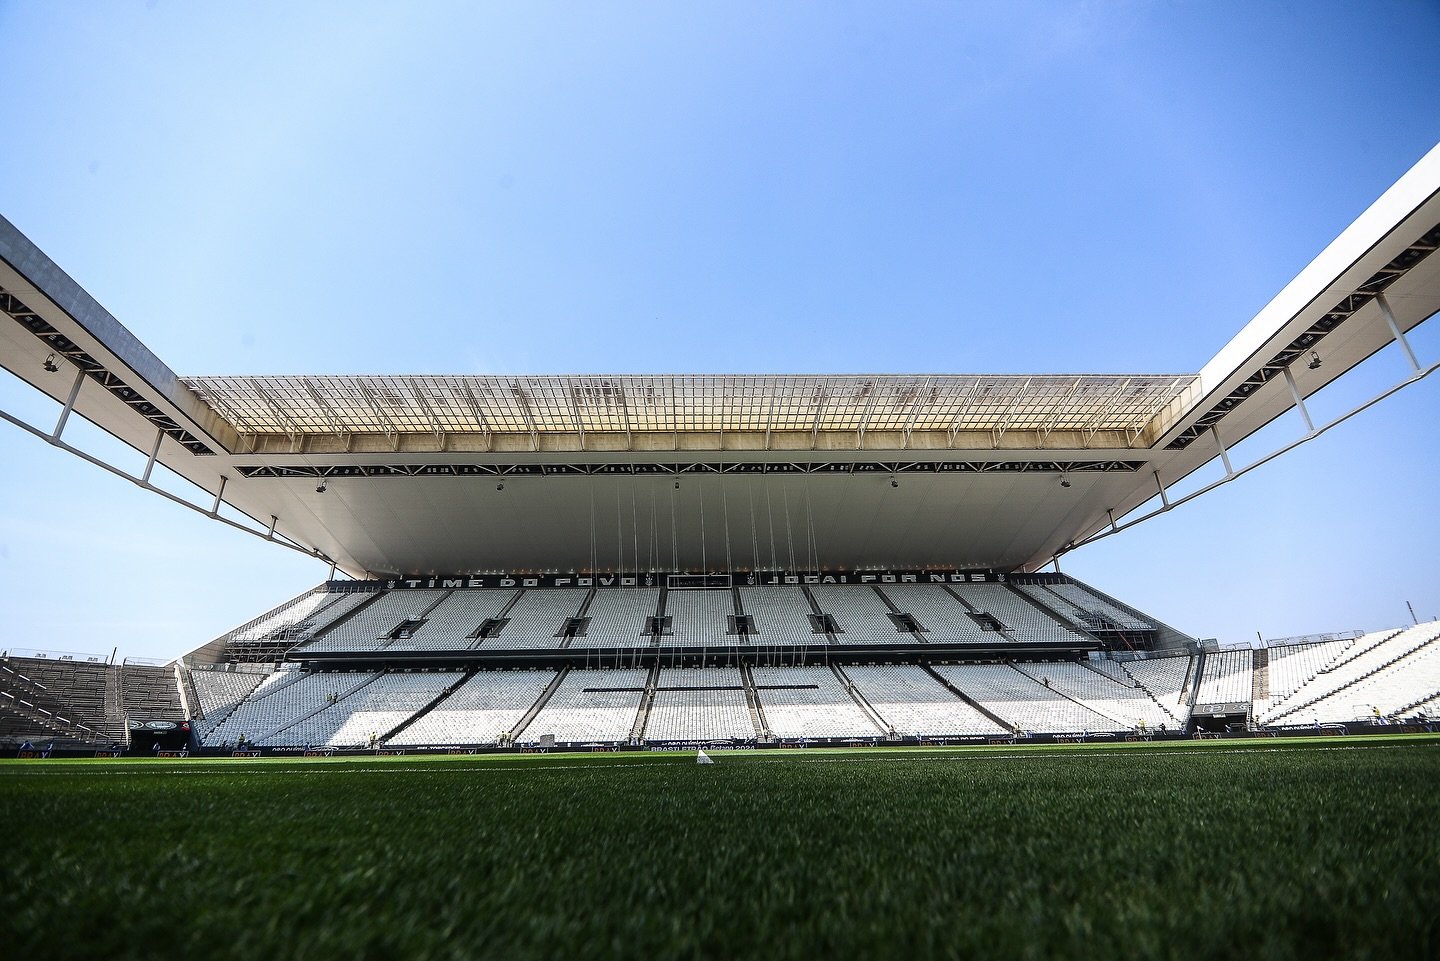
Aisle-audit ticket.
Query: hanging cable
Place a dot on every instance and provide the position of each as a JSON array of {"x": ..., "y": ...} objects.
[
  {"x": 704, "y": 561},
  {"x": 654, "y": 532},
  {"x": 789, "y": 532},
  {"x": 755, "y": 532},
  {"x": 725, "y": 504},
  {"x": 770, "y": 512},
  {"x": 810, "y": 558},
  {"x": 594, "y": 557}
]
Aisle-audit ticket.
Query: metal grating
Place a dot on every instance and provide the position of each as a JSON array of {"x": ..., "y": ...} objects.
[{"x": 269, "y": 405}]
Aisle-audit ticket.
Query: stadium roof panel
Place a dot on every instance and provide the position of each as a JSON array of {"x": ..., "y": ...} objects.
[
  {"x": 440, "y": 474},
  {"x": 1108, "y": 410}
]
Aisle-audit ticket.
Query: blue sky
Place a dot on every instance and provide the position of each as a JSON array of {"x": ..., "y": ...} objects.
[{"x": 836, "y": 187}]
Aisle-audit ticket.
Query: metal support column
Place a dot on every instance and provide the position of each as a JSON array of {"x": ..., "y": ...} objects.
[
  {"x": 69, "y": 404},
  {"x": 1224, "y": 454},
  {"x": 154, "y": 453},
  {"x": 1110, "y": 514},
  {"x": 215, "y": 508},
  {"x": 1299, "y": 401},
  {"x": 1396, "y": 332},
  {"x": 273, "y": 521},
  {"x": 1164, "y": 497}
]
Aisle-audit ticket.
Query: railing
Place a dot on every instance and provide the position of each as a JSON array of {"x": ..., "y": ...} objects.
[
  {"x": 1314, "y": 638},
  {"x": 56, "y": 655}
]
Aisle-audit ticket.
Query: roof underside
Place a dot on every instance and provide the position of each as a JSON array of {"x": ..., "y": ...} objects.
[
  {"x": 1107, "y": 410},
  {"x": 452, "y": 474}
]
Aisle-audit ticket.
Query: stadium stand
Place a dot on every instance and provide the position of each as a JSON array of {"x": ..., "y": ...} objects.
[
  {"x": 219, "y": 693},
  {"x": 1023, "y": 701},
  {"x": 280, "y": 701},
  {"x": 1289, "y": 667},
  {"x": 699, "y": 618},
  {"x": 1169, "y": 680},
  {"x": 913, "y": 702},
  {"x": 481, "y": 711},
  {"x": 270, "y": 636},
  {"x": 1125, "y": 703},
  {"x": 537, "y": 619},
  {"x": 370, "y": 627},
  {"x": 618, "y": 616},
  {"x": 1024, "y": 622},
  {"x": 810, "y": 702},
  {"x": 150, "y": 691},
  {"x": 939, "y": 613},
  {"x": 1389, "y": 666},
  {"x": 1084, "y": 607},
  {"x": 700, "y": 704},
  {"x": 452, "y": 624},
  {"x": 781, "y": 615},
  {"x": 1226, "y": 678},
  {"x": 590, "y": 705},
  {"x": 30, "y": 712},
  {"x": 85, "y": 693},
  {"x": 367, "y": 711},
  {"x": 860, "y": 614}
]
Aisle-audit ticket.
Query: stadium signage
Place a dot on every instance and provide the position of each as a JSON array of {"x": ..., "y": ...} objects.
[{"x": 652, "y": 579}]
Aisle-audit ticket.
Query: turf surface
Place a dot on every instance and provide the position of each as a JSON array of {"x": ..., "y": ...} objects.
[{"x": 1273, "y": 850}]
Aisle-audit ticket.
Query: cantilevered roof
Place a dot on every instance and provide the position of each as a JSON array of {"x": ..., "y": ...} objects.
[
  {"x": 1105, "y": 410},
  {"x": 454, "y": 474}
]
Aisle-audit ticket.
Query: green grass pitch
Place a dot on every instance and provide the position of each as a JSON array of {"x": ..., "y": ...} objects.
[{"x": 1225, "y": 850}]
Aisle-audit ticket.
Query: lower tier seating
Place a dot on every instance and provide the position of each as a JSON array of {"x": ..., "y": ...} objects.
[
  {"x": 810, "y": 702},
  {"x": 700, "y": 704}
]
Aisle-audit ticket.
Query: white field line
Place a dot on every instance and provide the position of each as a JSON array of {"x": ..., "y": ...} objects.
[{"x": 218, "y": 766}]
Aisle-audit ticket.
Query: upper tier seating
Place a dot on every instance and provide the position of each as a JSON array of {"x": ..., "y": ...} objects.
[
  {"x": 806, "y": 702},
  {"x": 449, "y": 625},
  {"x": 269, "y": 637},
  {"x": 291, "y": 619},
  {"x": 860, "y": 614},
  {"x": 781, "y": 615},
  {"x": 1023, "y": 621},
  {"x": 618, "y": 616},
  {"x": 537, "y": 619},
  {"x": 486, "y": 706},
  {"x": 368, "y": 629},
  {"x": 1091, "y": 610},
  {"x": 699, "y": 618},
  {"x": 913, "y": 703},
  {"x": 699, "y": 704},
  {"x": 591, "y": 705},
  {"x": 937, "y": 611},
  {"x": 1024, "y": 702}
]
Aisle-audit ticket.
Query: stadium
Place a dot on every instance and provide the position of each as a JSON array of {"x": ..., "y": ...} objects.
[
  {"x": 600, "y": 562},
  {"x": 721, "y": 665}
]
